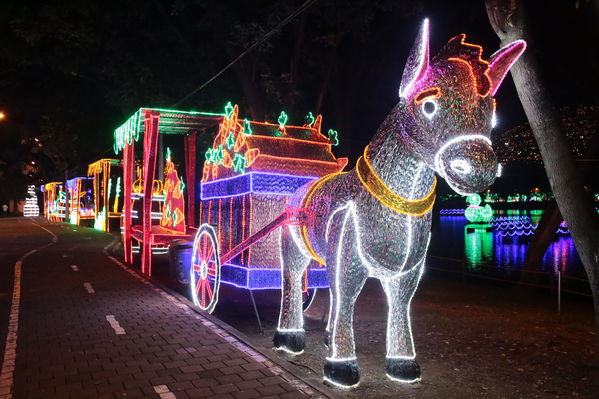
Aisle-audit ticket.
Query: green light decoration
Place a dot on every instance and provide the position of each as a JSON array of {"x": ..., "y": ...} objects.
[
  {"x": 475, "y": 213},
  {"x": 228, "y": 110},
  {"x": 247, "y": 129},
  {"x": 118, "y": 187},
  {"x": 282, "y": 119},
  {"x": 231, "y": 141},
  {"x": 209, "y": 156},
  {"x": 181, "y": 185},
  {"x": 168, "y": 211},
  {"x": 333, "y": 137},
  {"x": 218, "y": 155},
  {"x": 310, "y": 119},
  {"x": 168, "y": 154},
  {"x": 239, "y": 163},
  {"x": 109, "y": 188},
  {"x": 175, "y": 219},
  {"x": 478, "y": 248}
]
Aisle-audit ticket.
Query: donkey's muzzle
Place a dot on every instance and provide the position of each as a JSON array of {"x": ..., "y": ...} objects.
[{"x": 467, "y": 163}]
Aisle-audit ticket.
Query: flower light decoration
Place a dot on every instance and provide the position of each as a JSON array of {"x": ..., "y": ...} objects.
[{"x": 375, "y": 220}]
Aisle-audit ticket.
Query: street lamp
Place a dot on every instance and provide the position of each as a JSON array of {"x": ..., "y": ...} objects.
[{"x": 2, "y": 115}]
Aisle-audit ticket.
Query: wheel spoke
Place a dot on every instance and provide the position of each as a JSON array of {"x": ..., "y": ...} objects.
[
  {"x": 209, "y": 290},
  {"x": 204, "y": 247},
  {"x": 196, "y": 268},
  {"x": 198, "y": 286},
  {"x": 203, "y": 293},
  {"x": 209, "y": 253},
  {"x": 212, "y": 269}
]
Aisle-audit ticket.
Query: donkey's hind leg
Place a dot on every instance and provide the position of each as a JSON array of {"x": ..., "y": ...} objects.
[
  {"x": 347, "y": 275},
  {"x": 400, "y": 362},
  {"x": 290, "y": 335}
]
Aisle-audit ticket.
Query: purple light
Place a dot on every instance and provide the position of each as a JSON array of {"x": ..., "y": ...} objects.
[{"x": 253, "y": 182}]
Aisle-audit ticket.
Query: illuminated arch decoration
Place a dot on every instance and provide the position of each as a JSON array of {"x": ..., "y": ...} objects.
[
  {"x": 375, "y": 220},
  {"x": 173, "y": 211}
]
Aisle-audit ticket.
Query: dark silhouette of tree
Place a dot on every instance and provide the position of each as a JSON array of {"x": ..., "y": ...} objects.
[{"x": 511, "y": 21}]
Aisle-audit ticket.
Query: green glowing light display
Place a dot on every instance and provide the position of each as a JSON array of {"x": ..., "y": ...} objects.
[
  {"x": 239, "y": 163},
  {"x": 333, "y": 136},
  {"x": 475, "y": 213},
  {"x": 478, "y": 248},
  {"x": 247, "y": 129},
  {"x": 228, "y": 110},
  {"x": 231, "y": 141},
  {"x": 282, "y": 119},
  {"x": 310, "y": 119}
]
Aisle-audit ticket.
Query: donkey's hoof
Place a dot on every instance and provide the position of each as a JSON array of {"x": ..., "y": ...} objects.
[
  {"x": 402, "y": 370},
  {"x": 290, "y": 341},
  {"x": 342, "y": 374},
  {"x": 326, "y": 338}
]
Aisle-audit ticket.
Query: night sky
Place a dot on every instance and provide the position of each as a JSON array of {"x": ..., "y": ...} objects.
[{"x": 70, "y": 74}]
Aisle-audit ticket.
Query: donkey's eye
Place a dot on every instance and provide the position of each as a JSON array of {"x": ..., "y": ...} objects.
[{"x": 429, "y": 107}]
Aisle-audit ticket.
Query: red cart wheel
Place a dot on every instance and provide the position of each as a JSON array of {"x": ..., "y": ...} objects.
[{"x": 205, "y": 270}]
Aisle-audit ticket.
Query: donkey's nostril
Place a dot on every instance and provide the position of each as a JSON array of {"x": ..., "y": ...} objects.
[{"x": 460, "y": 166}]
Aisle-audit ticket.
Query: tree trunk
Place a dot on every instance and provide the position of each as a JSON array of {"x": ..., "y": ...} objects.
[
  {"x": 509, "y": 20},
  {"x": 543, "y": 236}
]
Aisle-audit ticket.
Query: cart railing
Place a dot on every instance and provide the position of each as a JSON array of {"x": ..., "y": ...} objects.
[{"x": 291, "y": 216}]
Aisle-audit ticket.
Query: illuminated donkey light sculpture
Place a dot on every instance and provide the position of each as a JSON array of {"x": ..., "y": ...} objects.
[{"x": 375, "y": 220}]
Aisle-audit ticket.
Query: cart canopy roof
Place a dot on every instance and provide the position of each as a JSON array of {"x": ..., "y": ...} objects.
[
  {"x": 170, "y": 122},
  {"x": 243, "y": 146},
  {"x": 96, "y": 167}
]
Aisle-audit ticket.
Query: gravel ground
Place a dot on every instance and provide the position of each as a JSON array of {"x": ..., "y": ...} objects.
[{"x": 473, "y": 340}]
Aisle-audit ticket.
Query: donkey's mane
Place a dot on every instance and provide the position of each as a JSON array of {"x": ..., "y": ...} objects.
[{"x": 471, "y": 55}]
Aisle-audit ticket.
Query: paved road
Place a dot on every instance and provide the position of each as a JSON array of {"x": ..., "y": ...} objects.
[{"x": 90, "y": 327}]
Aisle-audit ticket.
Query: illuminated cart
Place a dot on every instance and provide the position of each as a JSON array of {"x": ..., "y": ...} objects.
[
  {"x": 158, "y": 205},
  {"x": 248, "y": 175},
  {"x": 107, "y": 188},
  {"x": 80, "y": 199},
  {"x": 55, "y": 201}
]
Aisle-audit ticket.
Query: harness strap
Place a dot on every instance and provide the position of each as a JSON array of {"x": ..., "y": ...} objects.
[
  {"x": 377, "y": 187},
  {"x": 304, "y": 204}
]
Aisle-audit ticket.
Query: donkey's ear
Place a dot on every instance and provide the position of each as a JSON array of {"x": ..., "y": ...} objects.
[
  {"x": 417, "y": 61},
  {"x": 502, "y": 60}
]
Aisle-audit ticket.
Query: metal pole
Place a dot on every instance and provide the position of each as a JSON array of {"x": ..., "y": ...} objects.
[
  {"x": 256, "y": 311},
  {"x": 559, "y": 292}
]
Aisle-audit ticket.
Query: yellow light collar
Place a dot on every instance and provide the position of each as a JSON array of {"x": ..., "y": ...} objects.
[{"x": 387, "y": 197}]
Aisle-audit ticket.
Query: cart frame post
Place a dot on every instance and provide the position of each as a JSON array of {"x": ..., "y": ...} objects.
[
  {"x": 151, "y": 121},
  {"x": 128, "y": 165},
  {"x": 190, "y": 172}
]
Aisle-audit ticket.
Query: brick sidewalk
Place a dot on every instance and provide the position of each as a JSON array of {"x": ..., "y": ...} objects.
[{"x": 99, "y": 330}]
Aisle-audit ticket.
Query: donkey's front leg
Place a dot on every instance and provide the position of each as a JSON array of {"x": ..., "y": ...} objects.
[
  {"x": 347, "y": 276},
  {"x": 290, "y": 335},
  {"x": 400, "y": 362}
]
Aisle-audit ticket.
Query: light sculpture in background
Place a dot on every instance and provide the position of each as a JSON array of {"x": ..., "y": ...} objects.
[
  {"x": 375, "y": 220},
  {"x": 476, "y": 213},
  {"x": 173, "y": 211},
  {"x": 54, "y": 201},
  {"x": 31, "y": 209}
]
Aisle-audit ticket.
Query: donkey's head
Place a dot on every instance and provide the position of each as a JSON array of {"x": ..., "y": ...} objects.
[{"x": 448, "y": 110}]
